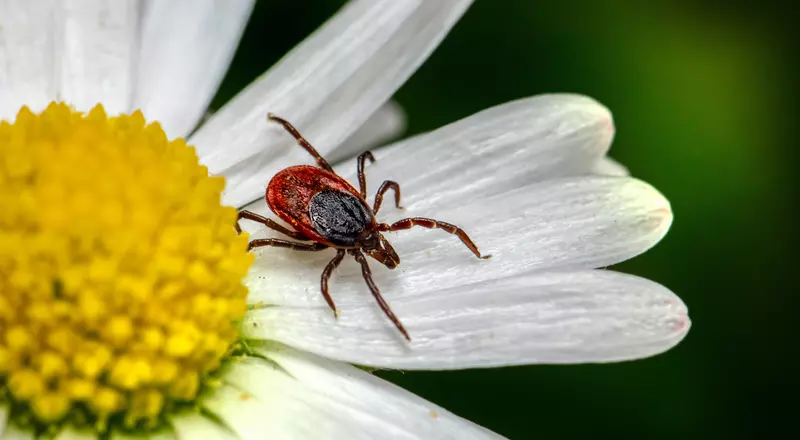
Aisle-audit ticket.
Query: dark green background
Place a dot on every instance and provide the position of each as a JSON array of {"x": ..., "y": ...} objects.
[{"x": 699, "y": 91}]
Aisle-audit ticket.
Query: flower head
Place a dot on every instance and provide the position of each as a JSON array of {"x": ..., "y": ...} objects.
[{"x": 122, "y": 277}]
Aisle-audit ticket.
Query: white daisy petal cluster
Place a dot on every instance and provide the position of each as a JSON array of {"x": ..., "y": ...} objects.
[
  {"x": 529, "y": 180},
  {"x": 521, "y": 179}
]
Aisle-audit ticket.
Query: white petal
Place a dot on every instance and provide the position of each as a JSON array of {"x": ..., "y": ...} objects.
[
  {"x": 98, "y": 53},
  {"x": 3, "y": 419},
  {"x": 27, "y": 55},
  {"x": 327, "y": 86},
  {"x": 493, "y": 151},
  {"x": 12, "y": 432},
  {"x": 386, "y": 123},
  {"x": 571, "y": 317},
  {"x": 610, "y": 167},
  {"x": 186, "y": 48},
  {"x": 566, "y": 224},
  {"x": 73, "y": 434},
  {"x": 302, "y": 396},
  {"x": 164, "y": 435},
  {"x": 196, "y": 426},
  {"x": 245, "y": 415}
]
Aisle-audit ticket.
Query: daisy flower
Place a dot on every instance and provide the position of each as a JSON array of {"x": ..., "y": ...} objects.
[{"x": 131, "y": 309}]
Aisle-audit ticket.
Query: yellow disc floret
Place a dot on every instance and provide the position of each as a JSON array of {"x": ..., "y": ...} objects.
[{"x": 120, "y": 272}]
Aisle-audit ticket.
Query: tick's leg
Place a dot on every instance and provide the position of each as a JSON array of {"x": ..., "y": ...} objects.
[
  {"x": 301, "y": 141},
  {"x": 285, "y": 244},
  {"x": 386, "y": 186},
  {"x": 249, "y": 215},
  {"x": 362, "y": 179},
  {"x": 367, "y": 273},
  {"x": 408, "y": 223},
  {"x": 326, "y": 274}
]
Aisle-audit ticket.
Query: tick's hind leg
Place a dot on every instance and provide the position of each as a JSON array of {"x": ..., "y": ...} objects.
[
  {"x": 249, "y": 215},
  {"x": 386, "y": 186},
  {"x": 301, "y": 141},
  {"x": 326, "y": 275},
  {"x": 367, "y": 273},
  {"x": 274, "y": 242},
  {"x": 408, "y": 223}
]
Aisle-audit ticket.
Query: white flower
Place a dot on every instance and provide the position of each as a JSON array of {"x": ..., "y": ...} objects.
[{"x": 528, "y": 180}]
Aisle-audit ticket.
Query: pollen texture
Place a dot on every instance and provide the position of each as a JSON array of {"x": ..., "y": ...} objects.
[{"x": 120, "y": 272}]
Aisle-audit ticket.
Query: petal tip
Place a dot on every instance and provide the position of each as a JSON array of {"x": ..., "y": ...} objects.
[
  {"x": 677, "y": 326},
  {"x": 674, "y": 324},
  {"x": 655, "y": 202},
  {"x": 584, "y": 102},
  {"x": 587, "y": 110}
]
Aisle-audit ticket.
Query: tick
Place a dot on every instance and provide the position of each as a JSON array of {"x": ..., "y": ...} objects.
[{"x": 325, "y": 209}]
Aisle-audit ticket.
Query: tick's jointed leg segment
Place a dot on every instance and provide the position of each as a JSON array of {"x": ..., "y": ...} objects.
[
  {"x": 274, "y": 242},
  {"x": 301, "y": 141},
  {"x": 326, "y": 275},
  {"x": 387, "y": 256},
  {"x": 362, "y": 179},
  {"x": 249, "y": 215},
  {"x": 408, "y": 223},
  {"x": 386, "y": 186},
  {"x": 367, "y": 274}
]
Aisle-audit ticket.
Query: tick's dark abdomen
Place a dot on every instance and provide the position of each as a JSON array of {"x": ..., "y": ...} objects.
[{"x": 338, "y": 216}]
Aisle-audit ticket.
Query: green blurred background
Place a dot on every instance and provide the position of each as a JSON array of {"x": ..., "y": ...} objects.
[{"x": 699, "y": 94}]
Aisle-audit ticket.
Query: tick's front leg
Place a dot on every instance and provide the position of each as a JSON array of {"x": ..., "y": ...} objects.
[
  {"x": 408, "y": 223},
  {"x": 362, "y": 178},
  {"x": 249, "y": 215},
  {"x": 386, "y": 186}
]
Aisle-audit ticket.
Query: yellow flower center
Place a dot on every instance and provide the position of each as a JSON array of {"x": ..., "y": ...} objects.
[{"x": 120, "y": 272}]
